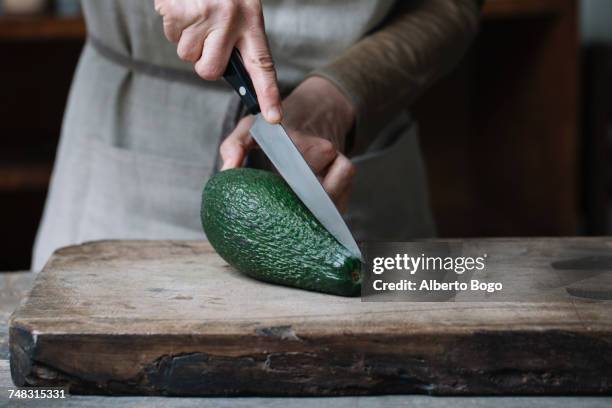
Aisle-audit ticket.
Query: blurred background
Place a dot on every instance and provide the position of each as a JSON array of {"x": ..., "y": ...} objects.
[{"x": 516, "y": 139}]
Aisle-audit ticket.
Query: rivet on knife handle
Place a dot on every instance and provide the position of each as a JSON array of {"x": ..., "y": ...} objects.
[{"x": 238, "y": 77}]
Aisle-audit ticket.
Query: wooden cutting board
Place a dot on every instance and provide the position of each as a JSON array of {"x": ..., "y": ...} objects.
[{"x": 172, "y": 318}]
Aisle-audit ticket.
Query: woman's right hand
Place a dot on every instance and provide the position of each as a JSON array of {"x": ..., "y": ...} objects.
[{"x": 206, "y": 32}]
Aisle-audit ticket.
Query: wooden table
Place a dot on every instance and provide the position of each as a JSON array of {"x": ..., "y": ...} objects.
[{"x": 13, "y": 286}]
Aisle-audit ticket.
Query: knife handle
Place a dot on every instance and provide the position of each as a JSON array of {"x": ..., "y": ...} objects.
[{"x": 238, "y": 77}]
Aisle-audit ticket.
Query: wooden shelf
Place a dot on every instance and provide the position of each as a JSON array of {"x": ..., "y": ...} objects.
[
  {"x": 521, "y": 8},
  {"x": 24, "y": 177},
  {"x": 41, "y": 28}
]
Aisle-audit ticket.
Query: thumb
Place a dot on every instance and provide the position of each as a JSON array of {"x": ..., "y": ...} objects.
[{"x": 237, "y": 145}]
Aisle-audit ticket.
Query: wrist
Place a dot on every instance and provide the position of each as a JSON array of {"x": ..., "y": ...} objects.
[
  {"x": 334, "y": 105},
  {"x": 320, "y": 106}
]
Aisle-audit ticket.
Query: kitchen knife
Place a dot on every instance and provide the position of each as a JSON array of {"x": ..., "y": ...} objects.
[{"x": 284, "y": 155}]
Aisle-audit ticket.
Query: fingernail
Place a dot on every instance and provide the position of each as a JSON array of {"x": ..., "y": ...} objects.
[{"x": 274, "y": 114}]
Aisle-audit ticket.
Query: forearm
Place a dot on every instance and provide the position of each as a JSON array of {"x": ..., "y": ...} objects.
[{"x": 388, "y": 69}]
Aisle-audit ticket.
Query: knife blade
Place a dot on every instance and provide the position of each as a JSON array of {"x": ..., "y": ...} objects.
[
  {"x": 291, "y": 165},
  {"x": 285, "y": 156}
]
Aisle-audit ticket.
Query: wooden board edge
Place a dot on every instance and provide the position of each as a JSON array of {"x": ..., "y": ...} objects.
[
  {"x": 273, "y": 364},
  {"x": 21, "y": 345}
]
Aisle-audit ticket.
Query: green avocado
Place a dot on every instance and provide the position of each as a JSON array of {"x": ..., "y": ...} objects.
[{"x": 259, "y": 226}]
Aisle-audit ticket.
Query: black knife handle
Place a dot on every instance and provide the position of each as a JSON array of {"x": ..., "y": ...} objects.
[{"x": 238, "y": 77}]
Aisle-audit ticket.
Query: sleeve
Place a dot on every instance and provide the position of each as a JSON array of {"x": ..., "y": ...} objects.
[{"x": 388, "y": 69}]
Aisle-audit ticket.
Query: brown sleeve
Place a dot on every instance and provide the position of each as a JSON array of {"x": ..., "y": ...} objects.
[{"x": 388, "y": 69}]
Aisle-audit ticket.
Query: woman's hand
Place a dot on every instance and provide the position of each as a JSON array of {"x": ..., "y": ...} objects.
[
  {"x": 318, "y": 118},
  {"x": 206, "y": 32}
]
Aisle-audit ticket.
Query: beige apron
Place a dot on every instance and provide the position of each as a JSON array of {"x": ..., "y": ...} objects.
[{"x": 140, "y": 140}]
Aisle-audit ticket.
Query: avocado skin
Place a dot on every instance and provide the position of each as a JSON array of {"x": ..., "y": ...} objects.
[{"x": 259, "y": 226}]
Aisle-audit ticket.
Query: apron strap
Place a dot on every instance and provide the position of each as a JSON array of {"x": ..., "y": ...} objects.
[
  {"x": 143, "y": 67},
  {"x": 235, "y": 109},
  {"x": 234, "y": 112}
]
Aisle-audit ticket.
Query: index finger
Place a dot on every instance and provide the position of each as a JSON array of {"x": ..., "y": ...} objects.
[{"x": 260, "y": 66}]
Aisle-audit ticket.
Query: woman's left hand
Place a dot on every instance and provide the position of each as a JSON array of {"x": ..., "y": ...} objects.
[{"x": 318, "y": 117}]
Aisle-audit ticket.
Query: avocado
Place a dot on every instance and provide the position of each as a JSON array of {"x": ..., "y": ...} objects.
[{"x": 259, "y": 226}]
